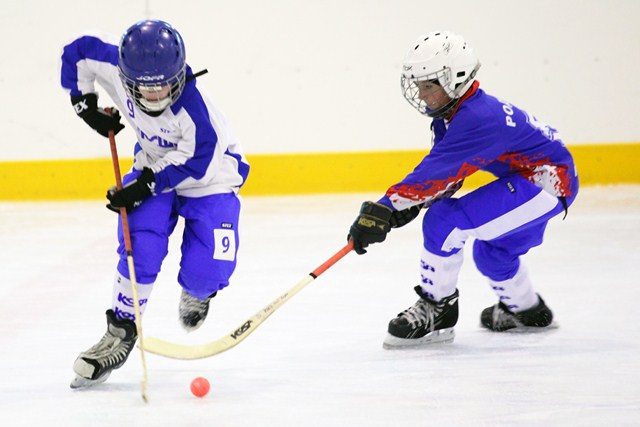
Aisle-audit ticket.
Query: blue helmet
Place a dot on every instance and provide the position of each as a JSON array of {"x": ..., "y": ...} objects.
[{"x": 152, "y": 66}]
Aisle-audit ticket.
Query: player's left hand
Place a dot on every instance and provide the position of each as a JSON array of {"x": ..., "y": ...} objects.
[
  {"x": 133, "y": 194},
  {"x": 371, "y": 226}
]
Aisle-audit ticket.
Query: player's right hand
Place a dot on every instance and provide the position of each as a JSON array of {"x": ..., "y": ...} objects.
[
  {"x": 134, "y": 193},
  {"x": 101, "y": 121},
  {"x": 371, "y": 226}
]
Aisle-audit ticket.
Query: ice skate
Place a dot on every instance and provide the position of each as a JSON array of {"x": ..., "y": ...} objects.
[
  {"x": 193, "y": 311},
  {"x": 95, "y": 365},
  {"x": 426, "y": 322},
  {"x": 81, "y": 382},
  {"x": 499, "y": 318}
]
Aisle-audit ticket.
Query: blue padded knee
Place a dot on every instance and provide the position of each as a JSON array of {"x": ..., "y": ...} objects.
[{"x": 438, "y": 222}]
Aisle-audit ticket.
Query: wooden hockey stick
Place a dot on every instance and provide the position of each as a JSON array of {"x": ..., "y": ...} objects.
[
  {"x": 188, "y": 352},
  {"x": 132, "y": 272}
]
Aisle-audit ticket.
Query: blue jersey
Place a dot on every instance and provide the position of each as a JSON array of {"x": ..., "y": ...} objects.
[
  {"x": 190, "y": 146},
  {"x": 487, "y": 134}
]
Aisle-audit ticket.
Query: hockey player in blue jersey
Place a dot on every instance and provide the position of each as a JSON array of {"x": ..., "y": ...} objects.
[
  {"x": 187, "y": 163},
  {"x": 535, "y": 181}
]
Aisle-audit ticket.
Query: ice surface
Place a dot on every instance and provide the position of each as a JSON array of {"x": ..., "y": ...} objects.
[{"x": 318, "y": 361}]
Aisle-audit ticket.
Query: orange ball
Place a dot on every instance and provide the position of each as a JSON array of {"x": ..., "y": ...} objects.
[{"x": 200, "y": 387}]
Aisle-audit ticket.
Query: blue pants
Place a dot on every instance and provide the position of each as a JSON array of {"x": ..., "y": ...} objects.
[
  {"x": 507, "y": 217},
  {"x": 209, "y": 242}
]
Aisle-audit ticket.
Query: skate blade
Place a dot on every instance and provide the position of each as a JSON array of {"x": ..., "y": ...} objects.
[
  {"x": 81, "y": 382},
  {"x": 521, "y": 329},
  {"x": 442, "y": 336},
  {"x": 533, "y": 329}
]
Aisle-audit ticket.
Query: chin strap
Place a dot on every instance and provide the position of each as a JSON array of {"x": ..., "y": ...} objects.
[{"x": 474, "y": 87}]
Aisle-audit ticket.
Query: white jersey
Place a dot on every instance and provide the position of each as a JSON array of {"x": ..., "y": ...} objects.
[{"x": 189, "y": 147}]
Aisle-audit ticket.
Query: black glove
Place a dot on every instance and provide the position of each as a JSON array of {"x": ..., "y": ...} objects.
[
  {"x": 401, "y": 218},
  {"x": 371, "y": 226},
  {"x": 101, "y": 121},
  {"x": 132, "y": 195}
]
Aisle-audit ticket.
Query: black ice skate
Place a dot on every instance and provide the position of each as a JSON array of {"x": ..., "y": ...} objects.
[
  {"x": 426, "y": 322},
  {"x": 498, "y": 317},
  {"x": 95, "y": 365},
  {"x": 193, "y": 311}
]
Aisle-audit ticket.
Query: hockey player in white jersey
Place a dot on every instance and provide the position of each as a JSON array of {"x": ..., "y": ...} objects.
[{"x": 187, "y": 164}]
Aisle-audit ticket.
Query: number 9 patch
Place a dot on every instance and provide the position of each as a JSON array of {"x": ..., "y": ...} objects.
[{"x": 225, "y": 244}]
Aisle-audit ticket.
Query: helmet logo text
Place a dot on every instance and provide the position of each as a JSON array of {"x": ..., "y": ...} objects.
[{"x": 151, "y": 78}]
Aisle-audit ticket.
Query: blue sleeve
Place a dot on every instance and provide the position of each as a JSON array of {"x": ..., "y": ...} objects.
[
  {"x": 87, "y": 47},
  {"x": 466, "y": 147},
  {"x": 205, "y": 141}
]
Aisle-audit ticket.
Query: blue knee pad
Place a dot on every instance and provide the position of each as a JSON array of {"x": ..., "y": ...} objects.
[
  {"x": 494, "y": 262},
  {"x": 150, "y": 226},
  {"x": 210, "y": 243},
  {"x": 438, "y": 222},
  {"x": 499, "y": 259},
  {"x": 149, "y": 251}
]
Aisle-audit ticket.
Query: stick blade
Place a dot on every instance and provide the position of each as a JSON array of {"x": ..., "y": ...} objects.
[{"x": 185, "y": 352}]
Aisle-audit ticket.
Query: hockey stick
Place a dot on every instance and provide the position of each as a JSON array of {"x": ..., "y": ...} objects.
[
  {"x": 188, "y": 352},
  {"x": 132, "y": 272}
]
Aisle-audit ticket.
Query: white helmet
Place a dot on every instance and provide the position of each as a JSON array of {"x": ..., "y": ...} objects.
[{"x": 442, "y": 57}]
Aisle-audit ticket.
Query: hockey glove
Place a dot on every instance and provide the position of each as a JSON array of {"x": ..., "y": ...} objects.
[
  {"x": 133, "y": 194},
  {"x": 371, "y": 226},
  {"x": 101, "y": 121},
  {"x": 401, "y": 218}
]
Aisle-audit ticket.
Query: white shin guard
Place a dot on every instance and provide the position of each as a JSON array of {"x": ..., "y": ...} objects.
[
  {"x": 516, "y": 293},
  {"x": 439, "y": 275},
  {"x": 122, "y": 303}
]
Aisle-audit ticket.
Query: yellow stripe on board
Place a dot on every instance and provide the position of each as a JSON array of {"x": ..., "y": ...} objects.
[
  {"x": 289, "y": 174},
  {"x": 58, "y": 179}
]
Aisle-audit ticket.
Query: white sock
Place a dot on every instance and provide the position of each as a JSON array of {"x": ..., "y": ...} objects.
[
  {"x": 439, "y": 274},
  {"x": 516, "y": 293},
  {"x": 122, "y": 303}
]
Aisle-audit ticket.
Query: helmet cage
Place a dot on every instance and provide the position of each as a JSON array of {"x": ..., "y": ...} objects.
[
  {"x": 411, "y": 93},
  {"x": 176, "y": 86},
  {"x": 443, "y": 78}
]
